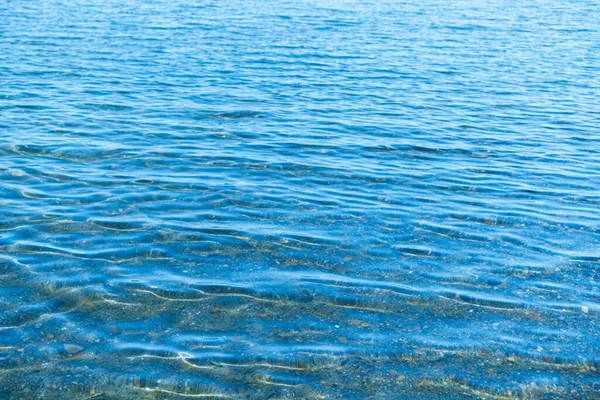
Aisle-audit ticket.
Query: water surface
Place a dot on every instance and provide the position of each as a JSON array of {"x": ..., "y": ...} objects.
[{"x": 299, "y": 199}]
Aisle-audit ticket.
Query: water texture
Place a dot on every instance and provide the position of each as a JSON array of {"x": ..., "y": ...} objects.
[{"x": 299, "y": 199}]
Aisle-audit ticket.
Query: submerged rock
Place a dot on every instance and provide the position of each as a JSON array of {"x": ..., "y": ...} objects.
[{"x": 73, "y": 348}]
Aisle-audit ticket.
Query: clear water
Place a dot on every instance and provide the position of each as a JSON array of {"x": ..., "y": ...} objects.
[{"x": 299, "y": 199}]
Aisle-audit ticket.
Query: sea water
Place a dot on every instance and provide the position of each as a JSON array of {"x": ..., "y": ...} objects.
[{"x": 284, "y": 199}]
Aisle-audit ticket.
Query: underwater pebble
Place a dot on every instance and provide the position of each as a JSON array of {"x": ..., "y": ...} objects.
[{"x": 73, "y": 348}]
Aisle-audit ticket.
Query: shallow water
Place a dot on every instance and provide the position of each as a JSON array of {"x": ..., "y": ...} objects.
[{"x": 299, "y": 199}]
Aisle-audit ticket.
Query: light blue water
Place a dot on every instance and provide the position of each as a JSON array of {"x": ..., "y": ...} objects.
[{"x": 299, "y": 199}]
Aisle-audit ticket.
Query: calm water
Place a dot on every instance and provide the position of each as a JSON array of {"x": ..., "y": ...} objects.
[{"x": 299, "y": 199}]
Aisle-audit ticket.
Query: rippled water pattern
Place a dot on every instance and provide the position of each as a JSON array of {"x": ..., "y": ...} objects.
[{"x": 299, "y": 199}]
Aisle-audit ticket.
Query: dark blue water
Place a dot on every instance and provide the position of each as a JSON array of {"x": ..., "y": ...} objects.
[{"x": 299, "y": 199}]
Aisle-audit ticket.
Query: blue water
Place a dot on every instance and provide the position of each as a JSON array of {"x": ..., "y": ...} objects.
[{"x": 299, "y": 199}]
